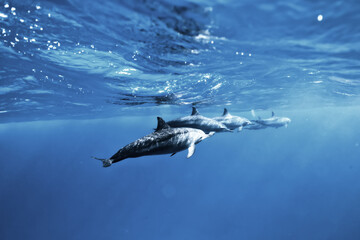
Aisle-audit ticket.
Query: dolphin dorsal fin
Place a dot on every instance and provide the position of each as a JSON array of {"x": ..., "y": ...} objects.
[
  {"x": 253, "y": 113},
  {"x": 226, "y": 112},
  {"x": 194, "y": 111},
  {"x": 161, "y": 124},
  {"x": 272, "y": 114}
]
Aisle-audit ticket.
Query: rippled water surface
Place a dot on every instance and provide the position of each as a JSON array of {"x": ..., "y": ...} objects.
[{"x": 85, "y": 58}]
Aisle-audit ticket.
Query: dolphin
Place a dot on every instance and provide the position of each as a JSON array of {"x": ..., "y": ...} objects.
[
  {"x": 165, "y": 140},
  {"x": 254, "y": 126},
  {"x": 231, "y": 121},
  {"x": 274, "y": 121},
  {"x": 195, "y": 120}
]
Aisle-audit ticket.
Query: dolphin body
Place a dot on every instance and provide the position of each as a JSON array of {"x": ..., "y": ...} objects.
[
  {"x": 274, "y": 121},
  {"x": 232, "y": 122},
  {"x": 195, "y": 120},
  {"x": 165, "y": 140},
  {"x": 254, "y": 126}
]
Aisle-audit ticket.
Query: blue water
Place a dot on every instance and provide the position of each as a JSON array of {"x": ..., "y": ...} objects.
[{"x": 84, "y": 78}]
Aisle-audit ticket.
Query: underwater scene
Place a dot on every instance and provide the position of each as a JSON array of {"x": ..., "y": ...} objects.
[{"x": 178, "y": 120}]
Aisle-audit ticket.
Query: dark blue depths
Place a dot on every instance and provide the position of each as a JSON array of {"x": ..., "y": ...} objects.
[{"x": 300, "y": 182}]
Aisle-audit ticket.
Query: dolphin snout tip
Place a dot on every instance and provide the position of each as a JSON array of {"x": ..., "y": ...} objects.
[{"x": 211, "y": 134}]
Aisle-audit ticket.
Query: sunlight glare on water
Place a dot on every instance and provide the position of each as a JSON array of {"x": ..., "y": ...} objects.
[{"x": 118, "y": 56}]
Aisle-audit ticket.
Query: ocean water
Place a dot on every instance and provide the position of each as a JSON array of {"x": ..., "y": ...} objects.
[{"x": 84, "y": 78}]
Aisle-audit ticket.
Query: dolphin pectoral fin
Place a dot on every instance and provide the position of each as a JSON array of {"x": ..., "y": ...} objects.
[
  {"x": 106, "y": 162},
  {"x": 286, "y": 125},
  {"x": 191, "y": 150},
  {"x": 172, "y": 154},
  {"x": 240, "y": 128}
]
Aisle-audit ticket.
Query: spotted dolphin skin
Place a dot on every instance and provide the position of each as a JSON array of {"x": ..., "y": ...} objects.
[
  {"x": 165, "y": 140},
  {"x": 274, "y": 121},
  {"x": 232, "y": 122},
  {"x": 195, "y": 120}
]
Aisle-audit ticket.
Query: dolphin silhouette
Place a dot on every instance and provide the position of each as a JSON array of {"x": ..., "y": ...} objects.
[
  {"x": 195, "y": 120},
  {"x": 232, "y": 122},
  {"x": 165, "y": 140},
  {"x": 274, "y": 121}
]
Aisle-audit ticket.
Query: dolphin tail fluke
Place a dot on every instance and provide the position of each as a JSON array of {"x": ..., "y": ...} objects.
[{"x": 106, "y": 162}]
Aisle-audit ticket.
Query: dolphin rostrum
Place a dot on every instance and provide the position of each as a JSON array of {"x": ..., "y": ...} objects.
[
  {"x": 232, "y": 122},
  {"x": 165, "y": 140},
  {"x": 274, "y": 121},
  {"x": 195, "y": 120}
]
